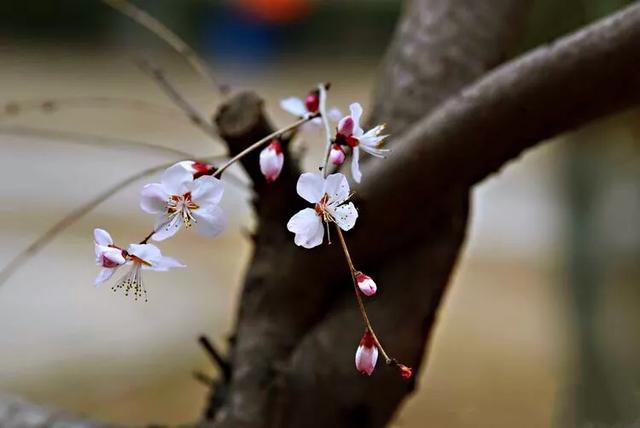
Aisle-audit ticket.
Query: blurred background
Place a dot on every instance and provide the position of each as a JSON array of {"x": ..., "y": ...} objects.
[{"x": 540, "y": 327}]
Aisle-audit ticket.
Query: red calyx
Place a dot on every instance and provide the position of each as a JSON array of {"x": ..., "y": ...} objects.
[
  {"x": 275, "y": 145},
  {"x": 367, "y": 340},
  {"x": 312, "y": 101}
]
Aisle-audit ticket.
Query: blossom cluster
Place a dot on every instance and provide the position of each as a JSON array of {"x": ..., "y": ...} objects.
[{"x": 189, "y": 195}]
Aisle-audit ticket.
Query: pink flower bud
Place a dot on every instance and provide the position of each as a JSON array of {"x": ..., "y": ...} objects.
[
  {"x": 271, "y": 161},
  {"x": 405, "y": 371},
  {"x": 366, "y": 354},
  {"x": 337, "y": 155},
  {"x": 312, "y": 101},
  {"x": 345, "y": 126},
  {"x": 366, "y": 284}
]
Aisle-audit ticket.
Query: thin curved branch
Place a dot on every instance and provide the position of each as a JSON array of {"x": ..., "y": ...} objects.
[
  {"x": 170, "y": 38},
  {"x": 73, "y": 137},
  {"x": 192, "y": 113},
  {"x": 49, "y": 105}
]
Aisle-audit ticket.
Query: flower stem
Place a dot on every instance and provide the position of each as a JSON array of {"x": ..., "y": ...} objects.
[
  {"x": 322, "y": 88},
  {"x": 261, "y": 142},
  {"x": 363, "y": 311},
  {"x": 170, "y": 38}
]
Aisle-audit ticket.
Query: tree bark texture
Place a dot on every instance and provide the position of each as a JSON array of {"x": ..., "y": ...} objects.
[{"x": 455, "y": 120}]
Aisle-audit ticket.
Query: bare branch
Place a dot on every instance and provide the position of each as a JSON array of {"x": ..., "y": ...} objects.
[
  {"x": 169, "y": 37},
  {"x": 72, "y": 137},
  {"x": 174, "y": 95},
  {"x": 49, "y": 105}
]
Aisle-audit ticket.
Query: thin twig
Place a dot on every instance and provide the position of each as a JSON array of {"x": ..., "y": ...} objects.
[
  {"x": 48, "y": 105},
  {"x": 73, "y": 137},
  {"x": 203, "y": 378},
  {"x": 174, "y": 95},
  {"x": 322, "y": 88},
  {"x": 361, "y": 307},
  {"x": 262, "y": 141},
  {"x": 172, "y": 39},
  {"x": 216, "y": 357}
]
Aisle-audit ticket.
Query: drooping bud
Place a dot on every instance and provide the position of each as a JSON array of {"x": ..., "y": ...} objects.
[
  {"x": 312, "y": 101},
  {"x": 271, "y": 161},
  {"x": 337, "y": 155},
  {"x": 366, "y": 284},
  {"x": 405, "y": 372},
  {"x": 366, "y": 354}
]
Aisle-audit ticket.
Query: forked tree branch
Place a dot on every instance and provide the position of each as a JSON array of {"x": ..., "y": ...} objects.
[
  {"x": 413, "y": 203},
  {"x": 297, "y": 325}
]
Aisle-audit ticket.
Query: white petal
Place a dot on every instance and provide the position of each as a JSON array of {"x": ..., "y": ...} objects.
[
  {"x": 165, "y": 228},
  {"x": 175, "y": 179},
  {"x": 372, "y": 137},
  {"x": 337, "y": 187},
  {"x": 355, "y": 164},
  {"x": 207, "y": 190},
  {"x": 356, "y": 114},
  {"x": 334, "y": 114},
  {"x": 210, "y": 221},
  {"x": 307, "y": 226},
  {"x": 310, "y": 186},
  {"x": 104, "y": 275},
  {"x": 188, "y": 165},
  {"x": 153, "y": 198},
  {"x": 112, "y": 254},
  {"x": 146, "y": 252},
  {"x": 102, "y": 237},
  {"x": 163, "y": 264},
  {"x": 345, "y": 215},
  {"x": 294, "y": 105},
  {"x": 379, "y": 153}
]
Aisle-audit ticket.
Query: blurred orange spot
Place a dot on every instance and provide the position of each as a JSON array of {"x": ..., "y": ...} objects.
[{"x": 274, "y": 10}]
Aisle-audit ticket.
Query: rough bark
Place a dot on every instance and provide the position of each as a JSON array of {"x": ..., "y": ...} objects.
[
  {"x": 434, "y": 165},
  {"x": 288, "y": 291},
  {"x": 439, "y": 46},
  {"x": 297, "y": 327}
]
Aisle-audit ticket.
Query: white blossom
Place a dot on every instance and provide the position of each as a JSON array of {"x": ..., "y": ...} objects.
[
  {"x": 329, "y": 196},
  {"x": 310, "y": 105},
  {"x": 143, "y": 257},
  {"x": 108, "y": 256},
  {"x": 350, "y": 133},
  {"x": 180, "y": 200}
]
